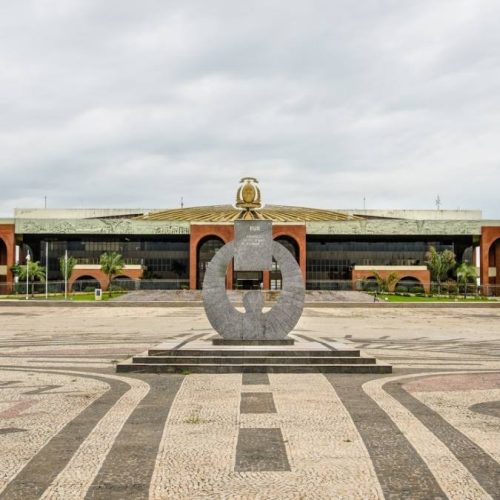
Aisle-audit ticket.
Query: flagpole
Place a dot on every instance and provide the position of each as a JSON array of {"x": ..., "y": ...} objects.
[
  {"x": 66, "y": 275},
  {"x": 46, "y": 270}
]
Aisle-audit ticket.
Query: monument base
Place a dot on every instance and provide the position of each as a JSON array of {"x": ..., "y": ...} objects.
[
  {"x": 210, "y": 354},
  {"x": 263, "y": 342}
]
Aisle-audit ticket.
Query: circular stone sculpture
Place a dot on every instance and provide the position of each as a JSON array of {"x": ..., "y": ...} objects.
[{"x": 253, "y": 324}]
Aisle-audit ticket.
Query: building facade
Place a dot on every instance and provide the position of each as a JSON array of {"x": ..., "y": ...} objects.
[{"x": 336, "y": 249}]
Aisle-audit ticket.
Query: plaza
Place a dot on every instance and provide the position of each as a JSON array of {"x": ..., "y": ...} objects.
[
  {"x": 249, "y": 250},
  {"x": 71, "y": 427}
]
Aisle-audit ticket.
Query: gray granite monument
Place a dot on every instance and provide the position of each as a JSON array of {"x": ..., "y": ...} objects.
[{"x": 253, "y": 250}]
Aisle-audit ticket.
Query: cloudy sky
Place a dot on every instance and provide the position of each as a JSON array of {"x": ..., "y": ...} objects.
[{"x": 122, "y": 103}]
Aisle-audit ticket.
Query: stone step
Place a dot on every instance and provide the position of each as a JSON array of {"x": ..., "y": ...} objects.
[
  {"x": 253, "y": 360},
  {"x": 254, "y": 352},
  {"x": 253, "y": 342},
  {"x": 257, "y": 368}
]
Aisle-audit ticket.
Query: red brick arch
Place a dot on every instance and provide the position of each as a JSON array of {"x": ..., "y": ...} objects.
[
  {"x": 410, "y": 277},
  {"x": 490, "y": 242},
  {"x": 7, "y": 235},
  {"x": 97, "y": 274},
  {"x": 297, "y": 234},
  {"x": 422, "y": 275},
  {"x": 200, "y": 232}
]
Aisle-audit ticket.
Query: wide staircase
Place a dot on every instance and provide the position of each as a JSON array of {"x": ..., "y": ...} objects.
[{"x": 206, "y": 357}]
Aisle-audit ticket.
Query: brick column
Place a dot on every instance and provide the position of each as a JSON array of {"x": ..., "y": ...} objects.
[
  {"x": 266, "y": 280},
  {"x": 7, "y": 234},
  {"x": 489, "y": 235},
  {"x": 497, "y": 265}
]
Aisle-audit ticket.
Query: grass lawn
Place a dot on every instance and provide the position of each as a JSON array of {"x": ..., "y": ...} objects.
[{"x": 404, "y": 298}]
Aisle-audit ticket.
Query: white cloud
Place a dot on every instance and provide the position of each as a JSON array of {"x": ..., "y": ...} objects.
[{"x": 126, "y": 103}]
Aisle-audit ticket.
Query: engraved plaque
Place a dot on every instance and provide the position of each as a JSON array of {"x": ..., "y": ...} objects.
[{"x": 253, "y": 249}]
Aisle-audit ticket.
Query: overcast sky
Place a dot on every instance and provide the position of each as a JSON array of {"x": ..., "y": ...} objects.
[{"x": 118, "y": 103}]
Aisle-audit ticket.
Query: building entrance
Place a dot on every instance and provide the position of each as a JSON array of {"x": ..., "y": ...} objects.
[{"x": 248, "y": 280}]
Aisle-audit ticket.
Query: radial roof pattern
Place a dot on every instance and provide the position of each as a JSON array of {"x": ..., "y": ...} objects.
[{"x": 227, "y": 213}]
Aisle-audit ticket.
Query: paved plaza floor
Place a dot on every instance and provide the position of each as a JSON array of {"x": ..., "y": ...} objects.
[{"x": 70, "y": 427}]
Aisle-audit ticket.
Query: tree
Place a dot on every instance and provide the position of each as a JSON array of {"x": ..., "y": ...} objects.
[
  {"x": 66, "y": 267},
  {"x": 111, "y": 265},
  {"x": 35, "y": 272},
  {"x": 439, "y": 264},
  {"x": 466, "y": 273},
  {"x": 16, "y": 269},
  {"x": 385, "y": 284}
]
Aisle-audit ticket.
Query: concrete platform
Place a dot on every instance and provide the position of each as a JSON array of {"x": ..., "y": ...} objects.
[
  {"x": 221, "y": 341},
  {"x": 301, "y": 356}
]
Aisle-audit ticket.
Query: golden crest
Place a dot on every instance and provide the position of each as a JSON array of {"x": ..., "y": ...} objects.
[{"x": 248, "y": 195}]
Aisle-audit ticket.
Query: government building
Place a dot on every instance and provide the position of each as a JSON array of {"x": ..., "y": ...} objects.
[{"x": 336, "y": 249}]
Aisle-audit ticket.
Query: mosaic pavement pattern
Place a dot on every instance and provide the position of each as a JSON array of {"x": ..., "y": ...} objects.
[{"x": 71, "y": 428}]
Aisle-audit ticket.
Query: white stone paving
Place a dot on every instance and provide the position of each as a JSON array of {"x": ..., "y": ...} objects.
[
  {"x": 197, "y": 452},
  {"x": 453, "y": 406},
  {"x": 455, "y": 480},
  {"x": 49, "y": 413},
  {"x": 324, "y": 445},
  {"x": 75, "y": 479}
]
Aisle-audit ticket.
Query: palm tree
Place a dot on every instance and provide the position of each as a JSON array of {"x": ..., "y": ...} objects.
[
  {"x": 439, "y": 264},
  {"x": 35, "y": 271},
  {"x": 466, "y": 273},
  {"x": 385, "y": 284},
  {"x": 111, "y": 265}
]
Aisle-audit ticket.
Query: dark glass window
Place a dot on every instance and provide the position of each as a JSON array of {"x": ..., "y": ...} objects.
[
  {"x": 3, "y": 253},
  {"x": 329, "y": 263},
  {"x": 166, "y": 259},
  {"x": 206, "y": 251}
]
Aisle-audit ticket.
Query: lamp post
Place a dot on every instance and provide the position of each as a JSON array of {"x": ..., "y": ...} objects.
[{"x": 28, "y": 259}]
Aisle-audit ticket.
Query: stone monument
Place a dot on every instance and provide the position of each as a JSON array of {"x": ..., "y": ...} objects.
[
  {"x": 253, "y": 341},
  {"x": 253, "y": 250}
]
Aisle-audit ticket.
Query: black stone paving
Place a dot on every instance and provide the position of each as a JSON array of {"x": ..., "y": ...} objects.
[
  {"x": 255, "y": 379},
  {"x": 400, "y": 470},
  {"x": 44, "y": 467},
  {"x": 481, "y": 465},
  {"x": 261, "y": 450},
  {"x": 257, "y": 402},
  {"x": 11, "y": 430},
  {"x": 491, "y": 408},
  {"x": 127, "y": 470}
]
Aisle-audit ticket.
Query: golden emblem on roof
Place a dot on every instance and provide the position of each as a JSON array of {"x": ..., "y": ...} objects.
[
  {"x": 248, "y": 206},
  {"x": 248, "y": 194}
]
